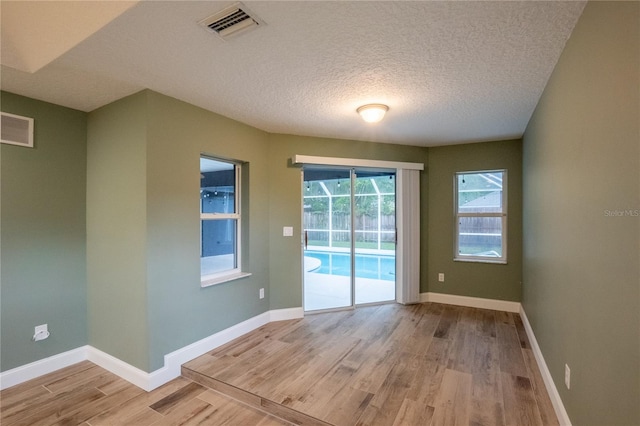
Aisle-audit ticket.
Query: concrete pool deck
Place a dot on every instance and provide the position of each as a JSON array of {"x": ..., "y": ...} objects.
[{"x": 325, "y": 291}]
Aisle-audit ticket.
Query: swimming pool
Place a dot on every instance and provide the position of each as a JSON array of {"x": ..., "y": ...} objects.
[{"x": 379, "y": 267}]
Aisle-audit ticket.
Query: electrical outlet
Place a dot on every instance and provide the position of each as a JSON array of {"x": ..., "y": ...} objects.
[
  {"x": 41, "y": 332},
  {"x": 567, "y": 376},
  {"x": 262, "y": 293},
  {"x": 441, "y": 277}
]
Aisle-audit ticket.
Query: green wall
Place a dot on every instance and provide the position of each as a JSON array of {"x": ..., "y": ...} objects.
[
  {"x": 286, "y": 208},
  {"x": 43, "y": 234},
  {"x": 139, "y": 158},
  {"x": 180, "y": 311},
  {"x": 581, "y": 165},
  {"x": 117, "y": 229},
  {"x": 145, "y": 298},
  {"x": 485, "y": 280}
]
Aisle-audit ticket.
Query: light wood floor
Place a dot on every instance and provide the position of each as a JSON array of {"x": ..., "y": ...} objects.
[
  {"x": 427, "y": 364},
  {"x": 89, "y": 395}
]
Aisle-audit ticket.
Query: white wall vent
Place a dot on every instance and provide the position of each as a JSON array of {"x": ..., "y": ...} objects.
[
  {"x": 16, "y": 130},
  {"x": 232, "y": 21}
]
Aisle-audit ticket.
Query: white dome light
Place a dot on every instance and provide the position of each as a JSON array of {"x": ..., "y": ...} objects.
[{"x": 372, "y": 113}]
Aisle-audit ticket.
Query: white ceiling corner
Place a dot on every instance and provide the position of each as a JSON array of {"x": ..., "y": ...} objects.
[{"x": 451, "y": 72}]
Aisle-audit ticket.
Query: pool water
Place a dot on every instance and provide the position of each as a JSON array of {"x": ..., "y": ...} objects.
[{"x": 379, "y": 267}]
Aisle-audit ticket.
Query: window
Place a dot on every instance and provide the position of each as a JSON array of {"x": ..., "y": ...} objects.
[
  {"x": 481, "y": 216},
  {"x": 219, "y": 221}
]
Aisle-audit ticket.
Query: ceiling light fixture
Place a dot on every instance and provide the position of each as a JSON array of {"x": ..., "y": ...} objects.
[{"x": 372, "y": 113}]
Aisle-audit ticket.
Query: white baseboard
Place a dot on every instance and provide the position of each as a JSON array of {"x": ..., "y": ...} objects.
[
  {"x": 147, "y": 381},
  {"x": 471, "y": 302},
  {"x": 558, "y": 406},
  {"x": 174, "y": 360},
  {"x": 35, "y": 369},
  {"x": 286, "y": 314},
  {"x": 118, "y": 367}
]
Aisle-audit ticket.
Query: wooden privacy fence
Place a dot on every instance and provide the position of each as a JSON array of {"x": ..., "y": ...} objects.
[{"x": 342, "y": 221}]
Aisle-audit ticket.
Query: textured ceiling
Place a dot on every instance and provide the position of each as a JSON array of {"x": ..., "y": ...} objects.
[{"x": 451, "y": 72}]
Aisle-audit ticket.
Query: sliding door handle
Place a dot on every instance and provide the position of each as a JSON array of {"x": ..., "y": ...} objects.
[{"x": 306, "y": 239}]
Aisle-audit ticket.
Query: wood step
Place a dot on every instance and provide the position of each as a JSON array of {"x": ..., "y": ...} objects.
[{"x": 253, "y": 400}]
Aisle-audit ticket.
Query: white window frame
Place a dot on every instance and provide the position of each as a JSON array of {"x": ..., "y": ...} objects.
[
  {"x": 457, "y": 215},
  {"x": 235, "y": 273}
]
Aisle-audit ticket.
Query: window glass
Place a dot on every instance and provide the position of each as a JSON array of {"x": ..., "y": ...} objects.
[
  {"x": 219, "y": 218},
  {"x": 480, "y": 192},
  {"x": 480, "y": 236},
  {"x": 217, "y": 186},
  {"x": 218, "y": 246}
]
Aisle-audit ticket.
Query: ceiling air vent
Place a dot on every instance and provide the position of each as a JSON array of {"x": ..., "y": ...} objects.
[{"x": 232, "y": 21}]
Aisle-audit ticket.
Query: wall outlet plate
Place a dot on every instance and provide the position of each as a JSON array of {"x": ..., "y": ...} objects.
[
  {"x": 41, "y": 332},
  {"x": 441, "y": 277}
]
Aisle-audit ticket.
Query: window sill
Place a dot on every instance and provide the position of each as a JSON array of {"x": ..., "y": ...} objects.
[
  {"x": 224, "y": 279},
  {"x": 477, "y": 260}
]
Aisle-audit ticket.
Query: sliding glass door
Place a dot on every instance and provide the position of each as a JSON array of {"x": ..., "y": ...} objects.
[
  {"x": 327, "y": 239},
  {"x": 375, "y": 237},
  {"x": 349, "y": 237}
]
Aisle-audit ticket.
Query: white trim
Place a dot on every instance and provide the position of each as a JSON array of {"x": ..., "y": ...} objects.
[
  {"x": 147, "y": 381},
  {"x": 219, "y": 216},
  {"x": 558, "y": 406},
  {"x": 354, "y": 162},
  {"x": 41, "y": 367},
  {"x": 502, "y": 214},
  {"x": 174, "y": 360},
  {"x": 215, "y": 279},
  {"x": 237, "y": 272},
  {"x": 29, "y": 121},
  {"x": 286, "y": 314},
  {"x": 118, "y": 367},
  {"x": 471, "y": 302},
  {"x": 480, "y": 259}
]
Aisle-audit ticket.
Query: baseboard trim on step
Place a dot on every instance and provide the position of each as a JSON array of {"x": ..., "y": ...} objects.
[
  {"x": 174, "y": 360},
  {"x": 558, "y": 406},
  {"x": 147, "y": 381},
  {"x": 471, "y": 302}
]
